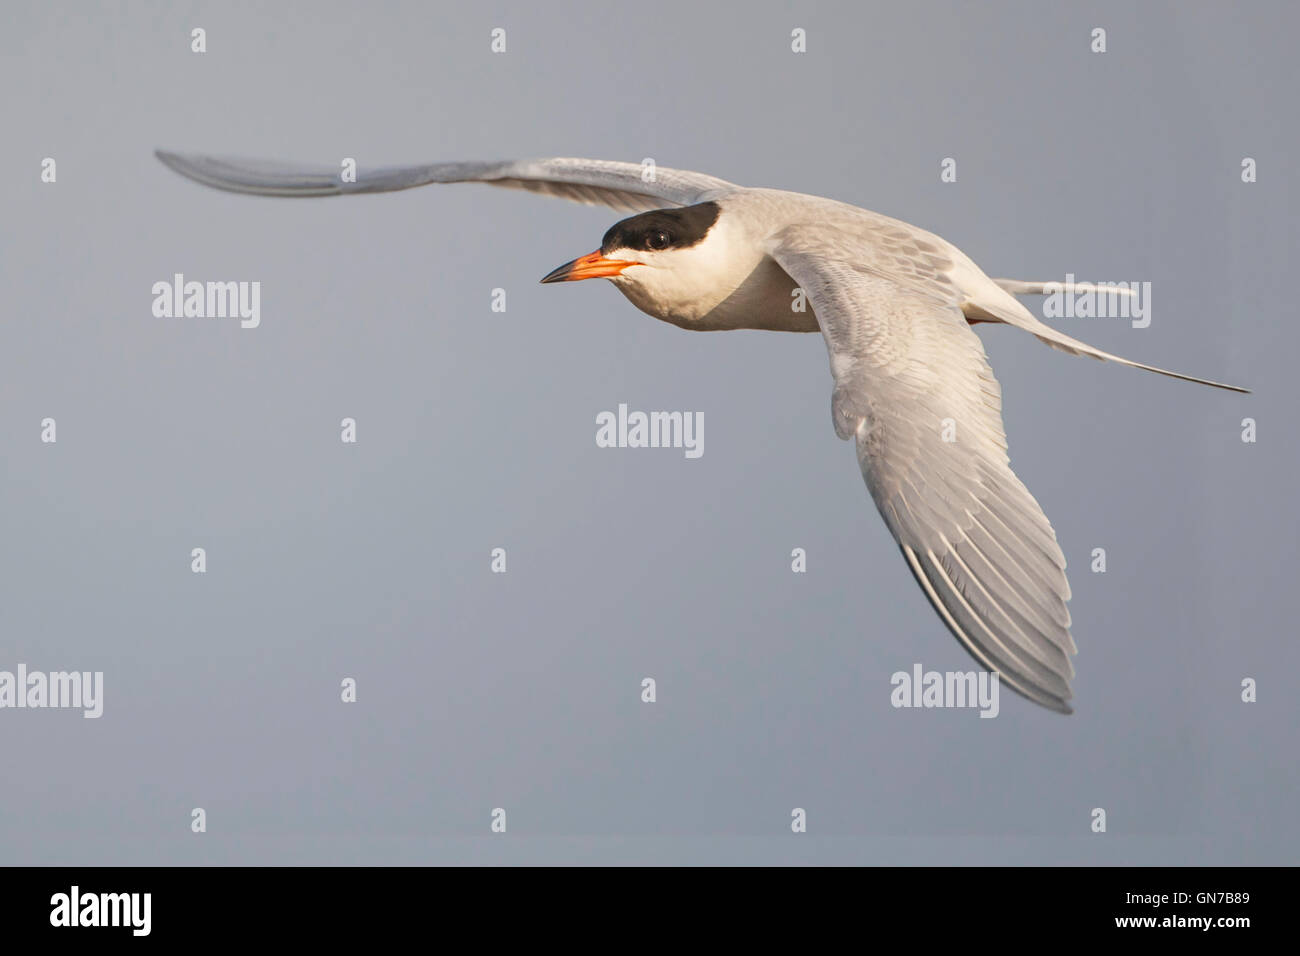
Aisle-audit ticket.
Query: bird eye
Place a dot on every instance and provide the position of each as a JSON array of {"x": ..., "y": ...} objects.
[{"x": 657, "y": 240}]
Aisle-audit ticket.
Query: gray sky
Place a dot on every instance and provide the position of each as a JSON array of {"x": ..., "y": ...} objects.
[{"x": 476, "y": 430}]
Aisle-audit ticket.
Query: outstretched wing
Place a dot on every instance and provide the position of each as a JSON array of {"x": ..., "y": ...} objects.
[
  {"x": 913, "y": 386},
  {"x": 625, "y": 186}
]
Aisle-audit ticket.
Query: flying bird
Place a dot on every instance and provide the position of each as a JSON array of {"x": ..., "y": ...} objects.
[{"x": 911, "y": 382}]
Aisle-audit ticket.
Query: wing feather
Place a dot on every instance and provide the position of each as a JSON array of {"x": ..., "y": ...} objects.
[
  {"x": 908, "y": 374},
  {"x": 624, "y": 186}
]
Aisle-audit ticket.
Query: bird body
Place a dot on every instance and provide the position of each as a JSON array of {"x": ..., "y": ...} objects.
[{"x": 911, "y": 383}]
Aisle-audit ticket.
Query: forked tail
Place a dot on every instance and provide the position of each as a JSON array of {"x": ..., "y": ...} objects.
[{"x": 1009, "y": 310}]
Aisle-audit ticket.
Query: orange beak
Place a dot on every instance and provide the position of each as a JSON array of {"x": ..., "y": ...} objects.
[{"x": 593, "y": 266}]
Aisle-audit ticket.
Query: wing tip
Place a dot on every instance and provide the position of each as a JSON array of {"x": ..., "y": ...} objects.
[
  {"x": 169, "y": 159},
  {"x": 1062, "y": 707},
  {"x": 1043, "y": 696},
  {"x": 189, "y": 166}
]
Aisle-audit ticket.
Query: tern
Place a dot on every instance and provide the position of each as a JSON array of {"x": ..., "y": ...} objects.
[{"x": 910, "y": 380}]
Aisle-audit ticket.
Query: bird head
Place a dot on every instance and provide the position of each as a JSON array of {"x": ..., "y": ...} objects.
[{"x": 668, "y": 262}]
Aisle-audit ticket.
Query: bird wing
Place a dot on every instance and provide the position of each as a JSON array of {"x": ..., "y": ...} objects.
[
  {"x": 909, "y": 373},
  {"x": 628, "y": 186}
]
